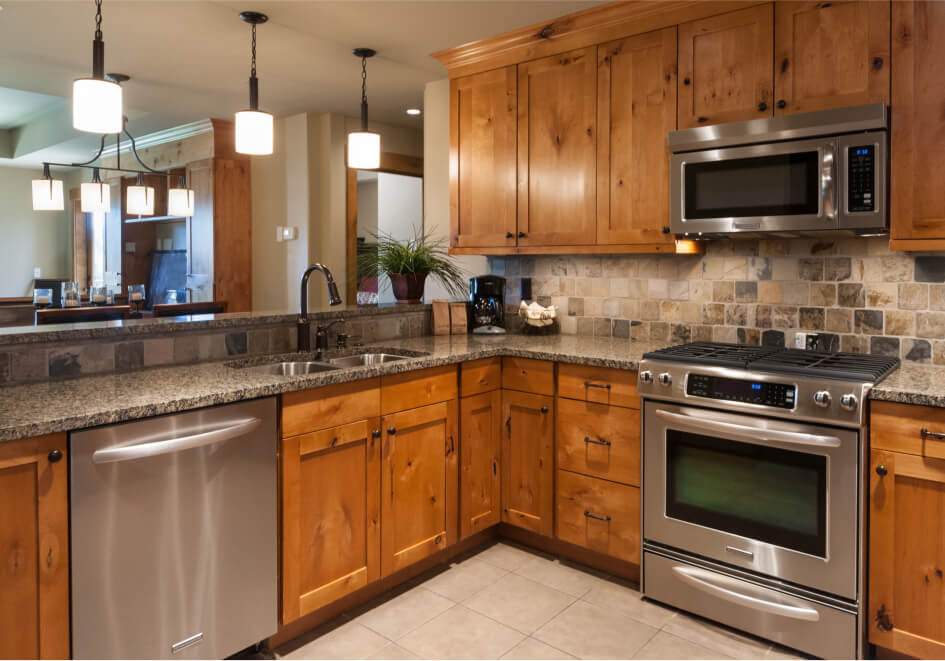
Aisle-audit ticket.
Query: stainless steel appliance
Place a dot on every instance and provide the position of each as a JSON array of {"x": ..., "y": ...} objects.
[
  {"x": 174, "y": 534},
  {"x": 487, "y": 304},
  {"x": 753, "y": 489},
  {"x": 792, "y": 175}
]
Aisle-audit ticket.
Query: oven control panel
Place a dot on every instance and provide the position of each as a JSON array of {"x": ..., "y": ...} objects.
[
  {"x": 765, "y": 393},
  {"x": 861, "y": 178}
]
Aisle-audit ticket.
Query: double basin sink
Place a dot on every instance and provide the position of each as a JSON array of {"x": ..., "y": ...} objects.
[{"x": 298, "y": 368}]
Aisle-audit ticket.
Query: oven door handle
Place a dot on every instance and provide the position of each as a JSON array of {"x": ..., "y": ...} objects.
[
  {"x": 717, "y": 586},
  {"x": 747, "y": 432}
]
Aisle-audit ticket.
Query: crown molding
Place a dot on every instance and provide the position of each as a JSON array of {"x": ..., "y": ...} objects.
[{"x": 161, "y": 137}]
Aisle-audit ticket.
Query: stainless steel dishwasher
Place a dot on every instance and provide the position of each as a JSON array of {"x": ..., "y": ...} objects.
[{"x": 174, "y": 534}]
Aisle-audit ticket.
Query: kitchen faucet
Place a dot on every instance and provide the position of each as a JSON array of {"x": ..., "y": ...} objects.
[{"x": 303, "y": 325}]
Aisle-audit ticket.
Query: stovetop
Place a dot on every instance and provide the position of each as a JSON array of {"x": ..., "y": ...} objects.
[{"x": 776, "y": 360}]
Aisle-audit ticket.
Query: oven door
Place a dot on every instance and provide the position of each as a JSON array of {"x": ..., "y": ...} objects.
[
  {"x": 762, "y": 494},
  {"x": 777, "y": 187}
]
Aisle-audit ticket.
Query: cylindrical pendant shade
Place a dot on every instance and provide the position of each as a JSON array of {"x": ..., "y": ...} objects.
[
  {"x": 180, "y": 202},
  {"x": 253, "y": 132},
  {"x": 140, "y": 200},
  {"x": 47, "y": 195},
  {"x": 364, "y": 150},
  {"x": 96, "y": 106},
  {"x": 96, "y": 198}
]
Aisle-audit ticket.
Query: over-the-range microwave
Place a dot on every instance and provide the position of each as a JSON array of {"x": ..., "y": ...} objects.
[{"x": 796, "y": 175}]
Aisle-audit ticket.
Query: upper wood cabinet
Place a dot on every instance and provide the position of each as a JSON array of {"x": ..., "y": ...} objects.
[
  {"x": 483, "y": 117},
  {"x": 557, "y": 150},
  {"x": 917, "y": 202},
  {"x": 528, "y": 461},
  {"x": 34, "y": 548},
  {"x": 725, "y": 67},
  {"x": 480, "y": 448},
  {"x": 636, "y": 108},
  {"x": 830, "y": 55}
]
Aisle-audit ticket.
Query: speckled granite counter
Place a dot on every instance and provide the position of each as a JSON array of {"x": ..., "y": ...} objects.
[
  {"x": 913, "y": 384},
  {"x": 41, "y": 408}
]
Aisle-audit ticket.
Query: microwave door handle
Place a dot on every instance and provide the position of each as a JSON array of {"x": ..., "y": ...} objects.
[
  {"x": 717, "y": 586},
  {"x": 828, "y": 181},
  {"x": 140, "y": 450},
  {"x": 748, "y": 433}
]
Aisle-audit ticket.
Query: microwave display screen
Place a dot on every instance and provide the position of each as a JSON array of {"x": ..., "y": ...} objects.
[
  {"x": 776, "y": 185},
  {"x": 861, "y": 178}
]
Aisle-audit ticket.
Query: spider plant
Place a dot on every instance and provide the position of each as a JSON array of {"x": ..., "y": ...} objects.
[{"x": 418, "y": 256}]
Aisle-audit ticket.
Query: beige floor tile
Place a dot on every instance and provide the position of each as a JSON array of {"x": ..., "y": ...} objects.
[
  {"x": 506, "y": 556},
  {"x": 559, "y": 576},
  {"x": 465, "y": 579},
  {"x": 778, "y": 652},
  {"x": 667, "y": 646},
  {"x": 461, "y": 633},
  {"x": 613, "y": 596},
  {"x": 531, "y": 648},
  {"x": 589, "y": 632},
  {"x": 349, "y": 641},
  {"x": 519, "y": 602},
  {"x": 715, "y": 637},
  {"x": 404, "y": 612},
  {"x": 394, "y": 651}
]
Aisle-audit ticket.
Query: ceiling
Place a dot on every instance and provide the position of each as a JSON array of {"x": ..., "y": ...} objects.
[{"x": 189, "y": 60}]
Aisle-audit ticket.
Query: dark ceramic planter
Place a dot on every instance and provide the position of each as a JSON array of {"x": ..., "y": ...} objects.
[{"x": 408, "y": 287}]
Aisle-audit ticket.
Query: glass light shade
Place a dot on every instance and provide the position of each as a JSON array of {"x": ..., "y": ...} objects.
[
  {"x": 364, "y": 150},
  {"x": 96, "y": 198},
  {"x": 96, "y": 106},
  {"x": 180, "y": 202},
  {"x": 140, "y": 200},
  {"x": 253, "y": 132},
  {"x": 47, "y": 195}
]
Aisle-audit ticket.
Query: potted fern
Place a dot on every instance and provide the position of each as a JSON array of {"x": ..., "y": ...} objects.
[{"x": 408, "y": 264}]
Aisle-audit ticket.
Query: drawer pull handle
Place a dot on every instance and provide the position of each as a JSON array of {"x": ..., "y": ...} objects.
[
  {"x": 934, "y": 435},
  {"x": 596, "y": 517},
  {"x": 605, "y": 386},
  {"x": 597, "y": 441}
]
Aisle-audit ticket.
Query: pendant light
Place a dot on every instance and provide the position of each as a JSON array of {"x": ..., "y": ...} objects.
[
  {"x": 96, "y": 101},
  {"x": 96, "y": 196},
  {"x": 180, "y": 200},
  {"x": 140, "y": 198},
  {"x": 364, "y": 147},
  {"x": 253, "y": 127},
  {"x": 47, "y": 192}
]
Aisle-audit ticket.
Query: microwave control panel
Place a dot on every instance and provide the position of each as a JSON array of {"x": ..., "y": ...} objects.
[
  {"x": 780, "y": 395},
  {"x": 861, "y": 178}
]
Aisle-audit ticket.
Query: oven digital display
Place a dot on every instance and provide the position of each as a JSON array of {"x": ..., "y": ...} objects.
[{"x": 781, "y": 395}]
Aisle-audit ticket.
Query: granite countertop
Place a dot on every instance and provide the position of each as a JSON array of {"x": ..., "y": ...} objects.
[{"x": 913, "y": 384}]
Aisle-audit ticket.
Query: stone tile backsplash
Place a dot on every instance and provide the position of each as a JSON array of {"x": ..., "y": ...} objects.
[{"x": 749, "y": 291}]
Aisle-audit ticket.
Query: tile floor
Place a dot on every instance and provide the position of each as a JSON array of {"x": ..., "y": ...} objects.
[{"x": 509, "y": 602}]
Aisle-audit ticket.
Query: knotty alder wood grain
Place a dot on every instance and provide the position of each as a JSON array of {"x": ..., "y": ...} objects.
[
  {"x": 480, "y": 449},
  {"x": 598, "y": 384},
  {"x": 34, "y": 549},
  {"x": 528, "y": 375},
  {"x": 599, "y": 440},
  {"x": 616, "y": 529},
  {"x": 330, "y": 406},
  {"x": 409, "y": 390},
  {"x": 478, "y": 376},
  {"x": 898, "y": 427},
  {"x": 528, "y": 461}
]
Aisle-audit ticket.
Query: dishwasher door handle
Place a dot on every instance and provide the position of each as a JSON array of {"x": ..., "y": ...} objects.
[{"x": 141, "y": 450}]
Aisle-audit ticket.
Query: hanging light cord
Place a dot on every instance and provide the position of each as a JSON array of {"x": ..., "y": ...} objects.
[
  {"x": 98, "y": 19},
  {"x": 253, "y": 74},
  {"x": 363, "y": 80}
]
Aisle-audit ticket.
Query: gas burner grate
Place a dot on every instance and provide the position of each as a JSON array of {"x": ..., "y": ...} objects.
[
  {"x": 847, "y": 366},
  {"x": 712, "y": 353}
]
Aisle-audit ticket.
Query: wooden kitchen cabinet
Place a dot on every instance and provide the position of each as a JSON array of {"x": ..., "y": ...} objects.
[
  {"x": 599, "y": 515},
  {"x": 725, "y": 72},
  {"x": 557, "y": 150},
  {"x": 528, "y": 461},
  {"x": 480, "y": 449},
  {"x": 830, "y": 55},
  {"x": 34, "y": 548},
  {"x": 419, "y": 484},
  {"x": 483, "y": 120}
]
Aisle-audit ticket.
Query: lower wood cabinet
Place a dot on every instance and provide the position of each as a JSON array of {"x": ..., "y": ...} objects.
[
  {"x": 480, "y": 448},
  {"x": 599, "y": 515},
  {"x": 34, "y": 548},
  {"x": 528, "y": 461}
]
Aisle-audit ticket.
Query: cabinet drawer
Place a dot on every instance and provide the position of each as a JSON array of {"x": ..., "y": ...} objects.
[
  {"x": 528, "y": 375},
  {"x": 898, "y": 427},
  {"x": 599, "y": 440},
  {"x": 599, "y": 515},
  {"x": 598, "y": 384},
  {"x": 410, "y": 390},
  {"x": 478, "y": 376},
  {"x": 319, "y": 408}
]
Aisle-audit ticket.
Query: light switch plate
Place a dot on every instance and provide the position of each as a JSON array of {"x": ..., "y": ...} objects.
[
  {"x": 36, "y": 273},
  {"x": 279, "y": 230},
  {"x": 129, "y": 246},
  {"x": 290, "y": 233}
]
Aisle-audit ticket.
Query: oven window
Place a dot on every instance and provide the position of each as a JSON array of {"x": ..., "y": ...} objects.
[
  {"x": 778, "y": 185},
  {"x": 769, "y": 494}
]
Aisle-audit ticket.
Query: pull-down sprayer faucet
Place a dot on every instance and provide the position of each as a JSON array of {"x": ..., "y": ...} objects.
[{"x": 303, "y": 325}]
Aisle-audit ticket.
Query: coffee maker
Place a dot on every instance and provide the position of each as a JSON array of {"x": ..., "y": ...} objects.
[{"x": 487, "y": 304}]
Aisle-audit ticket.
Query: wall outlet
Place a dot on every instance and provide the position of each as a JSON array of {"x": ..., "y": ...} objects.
[
  {"x": 130, "y": 247},
  {"x": 279, "y": 231},
  {"x": 290, "y": 233},
  {"x": 36, "y": 272}
]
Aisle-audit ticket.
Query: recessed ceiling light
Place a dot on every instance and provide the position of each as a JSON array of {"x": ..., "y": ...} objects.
[{"x": 413, "y": 111}]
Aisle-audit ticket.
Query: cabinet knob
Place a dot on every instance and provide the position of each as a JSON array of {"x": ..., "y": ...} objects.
[
  {"x": 881, "y": 470},
  {"x": 522, "y": 235},
  {"x": 55, "y": 456},
  {"x": 376, "y": 433},
  {"x": 544, "y": 409},
  {"x": 665, "y": 229},
  {"x": 685, "y": 81},
  {"x": 781, "y": 103},
  {"x": 391, "y": 430},
  {"x": 509, "y": 235},
  {"x": 762, "y": 106},
  {"x": 877, "y": 63}
]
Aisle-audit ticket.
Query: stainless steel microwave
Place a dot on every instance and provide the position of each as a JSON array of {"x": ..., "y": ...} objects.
[{"x": 795, "y": 175}]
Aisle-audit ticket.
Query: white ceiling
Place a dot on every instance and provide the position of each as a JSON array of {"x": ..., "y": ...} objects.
[{"x": 190, "y": 59}]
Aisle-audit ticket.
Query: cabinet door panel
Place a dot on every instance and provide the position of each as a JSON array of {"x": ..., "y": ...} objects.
[
  {"x": 480, "y": 433},
  {"x": 483, "y": 110},
  {"x": 725, "y": 67},
  {"x": 830, "y": 55},
  {"x": 636, "y": 108},
  {"x": 599, "y": 515},
  {"x": 528, "y": 461},
  {"x": 557, "y": 150}
]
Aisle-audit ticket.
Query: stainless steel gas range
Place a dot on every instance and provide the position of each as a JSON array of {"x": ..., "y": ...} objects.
[{"x": 753, "y": 489}]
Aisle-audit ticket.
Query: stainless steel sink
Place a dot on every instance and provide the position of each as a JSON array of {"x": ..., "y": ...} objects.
[
  {"x": 291, "y": 368},
  {"x": 362, "y": 359}
]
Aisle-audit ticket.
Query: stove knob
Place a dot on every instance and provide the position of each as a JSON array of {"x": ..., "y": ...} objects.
[
  {"x": 822, "y": 398},
  {"x": 665, "y": 379},
  {"x": 848, "y": 402},
  {"x": 646, "y": 376}
]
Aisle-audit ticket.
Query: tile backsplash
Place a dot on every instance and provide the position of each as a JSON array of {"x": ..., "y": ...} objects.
[{"x": 749, "y": 291}]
